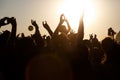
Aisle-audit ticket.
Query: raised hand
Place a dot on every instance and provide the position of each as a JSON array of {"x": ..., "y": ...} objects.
[
  {"x": 45, "y": 25},
  {"x": 37, "y": 32},
  {"x": 12, "y": 20},
  {"x": 62, "y": 18},
  {"x": 18, "y": 35},
  {"x": 69, "y": 27},
  {"x": 4, "y": 21},
  {"x": 91, "y": 36},
  {"x": 33, "y": 22}
]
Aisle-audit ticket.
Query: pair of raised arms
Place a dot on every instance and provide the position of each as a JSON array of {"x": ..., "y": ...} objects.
[
  {"x": 12, "y": 21},
  {"x": 62, "y": 20}
]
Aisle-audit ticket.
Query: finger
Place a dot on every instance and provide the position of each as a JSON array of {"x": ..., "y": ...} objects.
[
  {"x": 45, "y": 22},
  {"x": 31, "y": 21}
]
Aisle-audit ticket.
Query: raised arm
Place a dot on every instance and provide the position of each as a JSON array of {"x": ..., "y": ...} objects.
[
  {"x": 13, "y": 22},
  {"x": 46, "y": 26},
  {"x": 14, "y": 27},
  {"x": 62, "y": 18},
  {"x": 69, "y": 28},
  {"x": 36, "y": 27},
  {"x": 37, "y": 36},
  {"x": 2, "y": 21},
  {"x": 81, "y": 28}
]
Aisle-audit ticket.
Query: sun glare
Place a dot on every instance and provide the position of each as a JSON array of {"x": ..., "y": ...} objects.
[{"x": 73, "y": 10}]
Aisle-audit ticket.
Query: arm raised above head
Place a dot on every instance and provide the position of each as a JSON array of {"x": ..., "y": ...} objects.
[
  {"x": 37, "y": 32},
  {"x": 81, "y": 28},
  {"x": 62, "y": 19},
  {"x": 14, "y": 27},
  {"x": 37, "y": 36},
  {"x": 69, "y": 27},
  {"x": 47, "y": 27},
  {"x": 12, "y": 37},
  {"x": 2, "y": 21},
  {"x": 33, "y": 22}
]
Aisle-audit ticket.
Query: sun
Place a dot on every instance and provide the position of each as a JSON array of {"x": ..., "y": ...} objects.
[{"x": 73, "y": 10}]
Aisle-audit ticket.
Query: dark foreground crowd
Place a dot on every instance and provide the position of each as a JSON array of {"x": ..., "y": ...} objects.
[{"x": 63, "y": 55}]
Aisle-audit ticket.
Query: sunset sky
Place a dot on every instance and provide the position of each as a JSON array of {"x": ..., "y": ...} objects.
[{"x": 99, "y": 14}]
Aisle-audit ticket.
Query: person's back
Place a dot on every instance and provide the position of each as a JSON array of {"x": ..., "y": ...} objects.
[
  {"x": 81, "y": 65},
  {"x": 111, "y": 66}
]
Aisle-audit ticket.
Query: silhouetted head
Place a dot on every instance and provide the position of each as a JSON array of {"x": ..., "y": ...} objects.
[
  {"x": 111, "y": 32},
  {"x": 6, "y": 32},
  {"x": 95, "y": 36},
  {"x": 107, "y": 44},
  {"x": 96, "y": 55},
  {"x": 5, "y": 35},
  {"x": 63, "y": 29},
  {"x": 80, "y": 53}
]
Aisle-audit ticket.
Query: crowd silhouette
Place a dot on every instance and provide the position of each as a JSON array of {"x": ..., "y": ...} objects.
[{"x": 62, "y": 55}]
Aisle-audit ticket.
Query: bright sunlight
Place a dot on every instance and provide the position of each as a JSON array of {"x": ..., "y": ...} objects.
[{"x": 73, "y": 10}]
